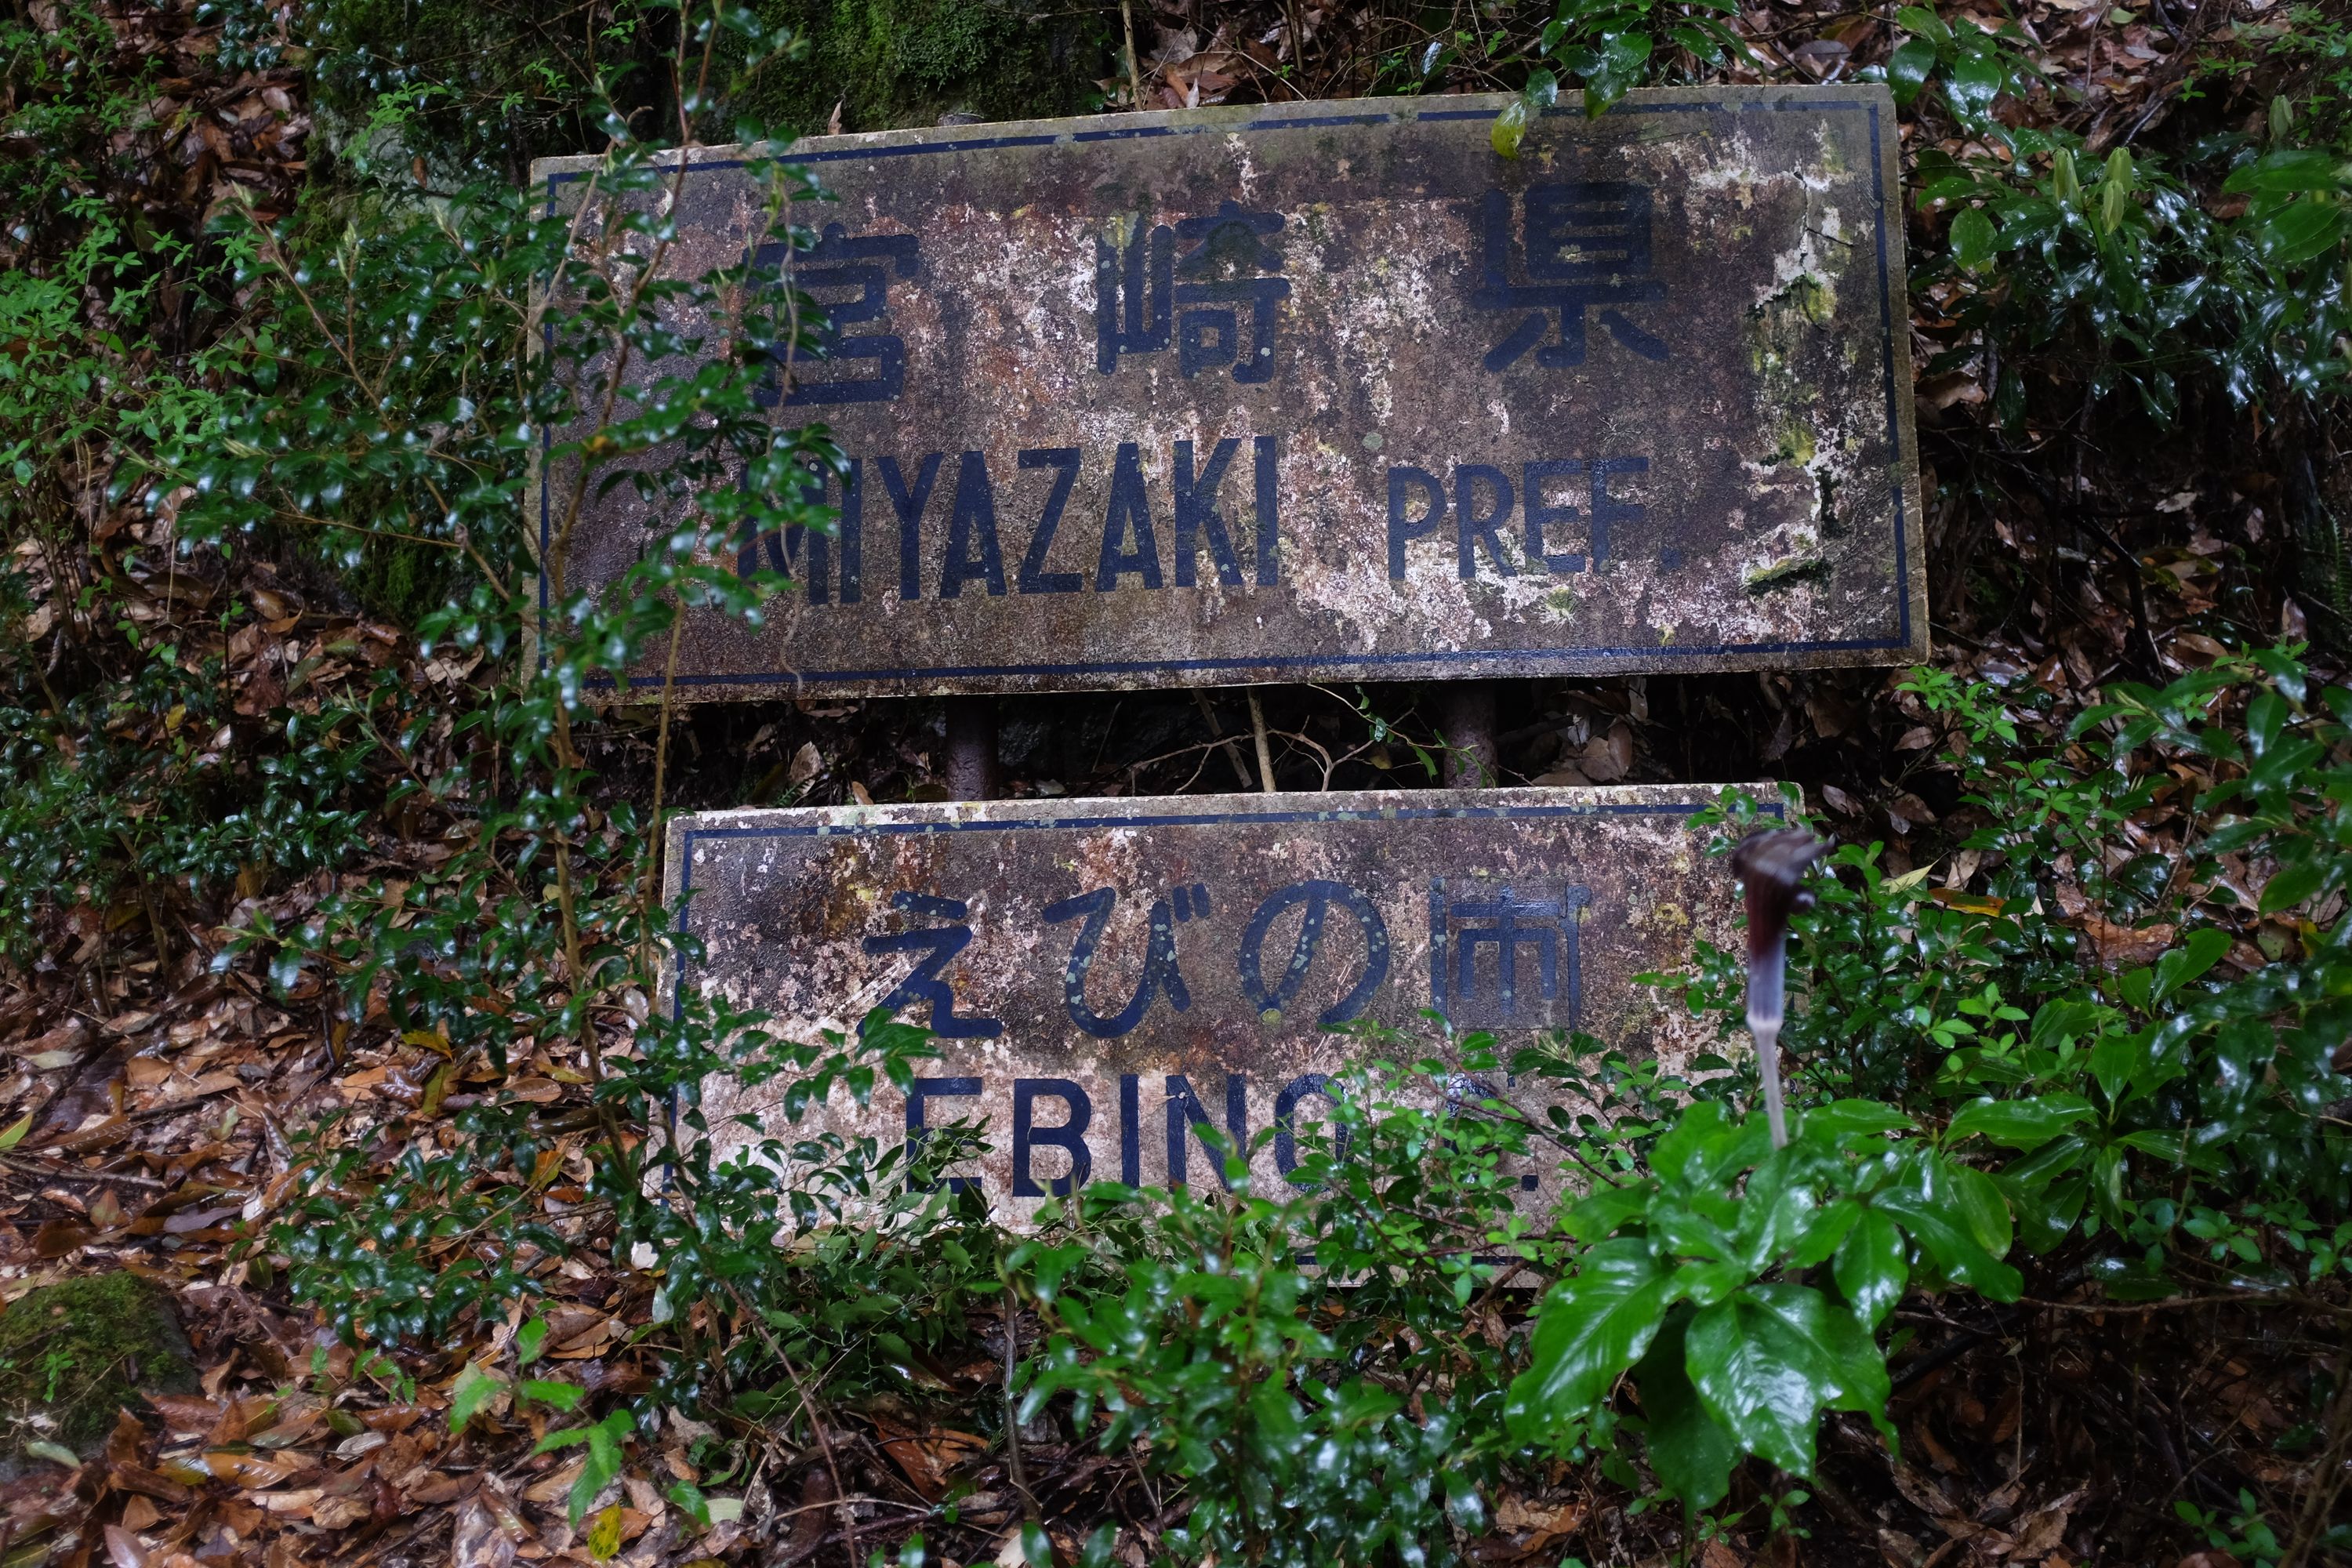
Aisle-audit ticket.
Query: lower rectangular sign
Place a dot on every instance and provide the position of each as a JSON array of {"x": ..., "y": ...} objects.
[{"x": 1105, "y": 976}]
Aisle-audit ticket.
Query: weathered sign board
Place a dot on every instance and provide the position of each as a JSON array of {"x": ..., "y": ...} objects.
[
  {"x": 1305, "y": 390},
  {"x": 1102, "y": 975}
]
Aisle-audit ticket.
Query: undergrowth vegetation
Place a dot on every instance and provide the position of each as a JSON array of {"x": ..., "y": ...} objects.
[{"x": 2088, "y": 1053}]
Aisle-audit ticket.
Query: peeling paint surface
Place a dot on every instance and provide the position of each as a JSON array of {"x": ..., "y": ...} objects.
[
  {"x": 1093, "y": 963},
  {"x": 1639, "y": 399}
]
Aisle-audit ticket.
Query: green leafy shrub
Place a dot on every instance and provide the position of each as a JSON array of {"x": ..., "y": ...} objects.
[{"x": 1315, "y": 1369}]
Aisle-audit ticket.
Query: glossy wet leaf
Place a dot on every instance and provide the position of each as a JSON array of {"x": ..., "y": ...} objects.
[
  {"x": 1689, "y": 1449},
  {"x": 1872, "y": 1267},
  {"x": 1589, "y": 1330},
  {"x": 1766, "y": 1363}
]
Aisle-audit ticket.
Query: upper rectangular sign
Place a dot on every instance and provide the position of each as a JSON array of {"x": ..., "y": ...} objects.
[{"x": 1330, "y": 390}]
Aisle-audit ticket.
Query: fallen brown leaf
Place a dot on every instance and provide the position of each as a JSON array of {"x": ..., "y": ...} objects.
[{"x": 476, "y": 1539}]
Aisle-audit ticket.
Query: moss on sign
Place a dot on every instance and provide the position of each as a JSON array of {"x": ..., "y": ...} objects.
[{"x": 72, "y": 1355}]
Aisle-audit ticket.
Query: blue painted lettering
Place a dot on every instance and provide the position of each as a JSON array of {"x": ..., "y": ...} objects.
[
  {"x": 972, "y": 555},
  {"x": 1402, "y": 530},
  {"x": 1069, "y": 1136},
  {"x": 1033, "y": 578},
  {"x": 1129, "y": 511}
]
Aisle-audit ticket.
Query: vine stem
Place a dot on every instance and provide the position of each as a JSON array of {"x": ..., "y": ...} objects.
[{"x": 808, "y": 1406}]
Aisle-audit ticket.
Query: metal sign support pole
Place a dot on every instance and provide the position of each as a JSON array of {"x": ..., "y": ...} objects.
[
  {"x": 971, "y": 748},
  {"x": 1466, "y": 721}
]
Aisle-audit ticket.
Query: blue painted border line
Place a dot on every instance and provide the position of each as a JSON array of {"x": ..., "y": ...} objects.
[
  {"x": 1539, "y": 657},
  {"x": 1536, "y": 658}
]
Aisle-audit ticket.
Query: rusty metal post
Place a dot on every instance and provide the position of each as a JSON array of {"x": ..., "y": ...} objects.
[
  {"x": 971, "y": 748},
  {"x": 1466, "y": 722}
]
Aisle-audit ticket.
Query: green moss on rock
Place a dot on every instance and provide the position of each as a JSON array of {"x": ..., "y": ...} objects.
[
  {"x": 72, "y": 1355},
  {"x": 399, "y": 580},
  {"x": 893, "y": 63}
]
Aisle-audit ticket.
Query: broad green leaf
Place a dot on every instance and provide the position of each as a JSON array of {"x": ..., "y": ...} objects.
[
  {"x": 570, "y": 1438},
  {"x": 2299, "y": 231},
  {"x": 17, "y": 1131},
  {"x": 1973, "y": 239},
  {"x": 2045, "y": 1216},
  {"x": 1872, "y": 1268},
  {"x": 1689, "y": 1449},
  {"x": 1602, "y": 1211},
  {"x": 2266, "y": 717},
  {"x": 2162, "y": 1143},
  {"x": 2183, "y": 964},
  {"x": 529, "y": 1341},
  {"x": 2293, "y": 883},
  {"x": 1703, "y": 1152},
  {"x": 688, "y": 1496},
  {"x": 1766, "y": 1361},
  {"x": 1589, "y": 1329},
  {"x": 1510, "y": 128},
  {"x": 1908, "y": 68},
  {"x": 2063, "y": 1020},
  {"x": 1847, "y": 1117},
  {"x": 1925, "y": 23},
  {"x": 1678, "y": 1228},
  {"x": 1976, "y": 1202},
  {"x": 1628, "y": 52},
  {"x": 1707, "y": 1283},
  {"x": 473, "y": 1390},
  {"x": 563, "y": 1397},
  {"x": 1950, "y": 1246},
  {"x": 604, "y": 1463},
  {"x": 1976, "y": 81},
  {"x": 2288, "y": 170},
  {"x": 1779, "y": 1212},
  {"x": 2017, "y": 1123}
]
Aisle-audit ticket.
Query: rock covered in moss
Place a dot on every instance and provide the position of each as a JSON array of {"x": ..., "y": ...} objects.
[{"x": 74, "y": 1354}]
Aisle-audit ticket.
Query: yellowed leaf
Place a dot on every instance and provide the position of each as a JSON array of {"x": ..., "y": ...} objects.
[{"x": 604, "y": 1535}]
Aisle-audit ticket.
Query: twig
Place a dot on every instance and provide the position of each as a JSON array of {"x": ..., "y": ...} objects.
[
  {"x": 1134, "y": 73},
  {"x": 97, "y": 1178},
  {"x": 2327, "y": 1476},
  {"x": 2247, "y": 1298},
  {"x": 661, "y": 775},
  {"x": 1011, "y": 1414},
  {"x": 808, "y": 1405},
  {"x": 1264, "y": 758},
  {"x": 1233, "y": 753}
]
